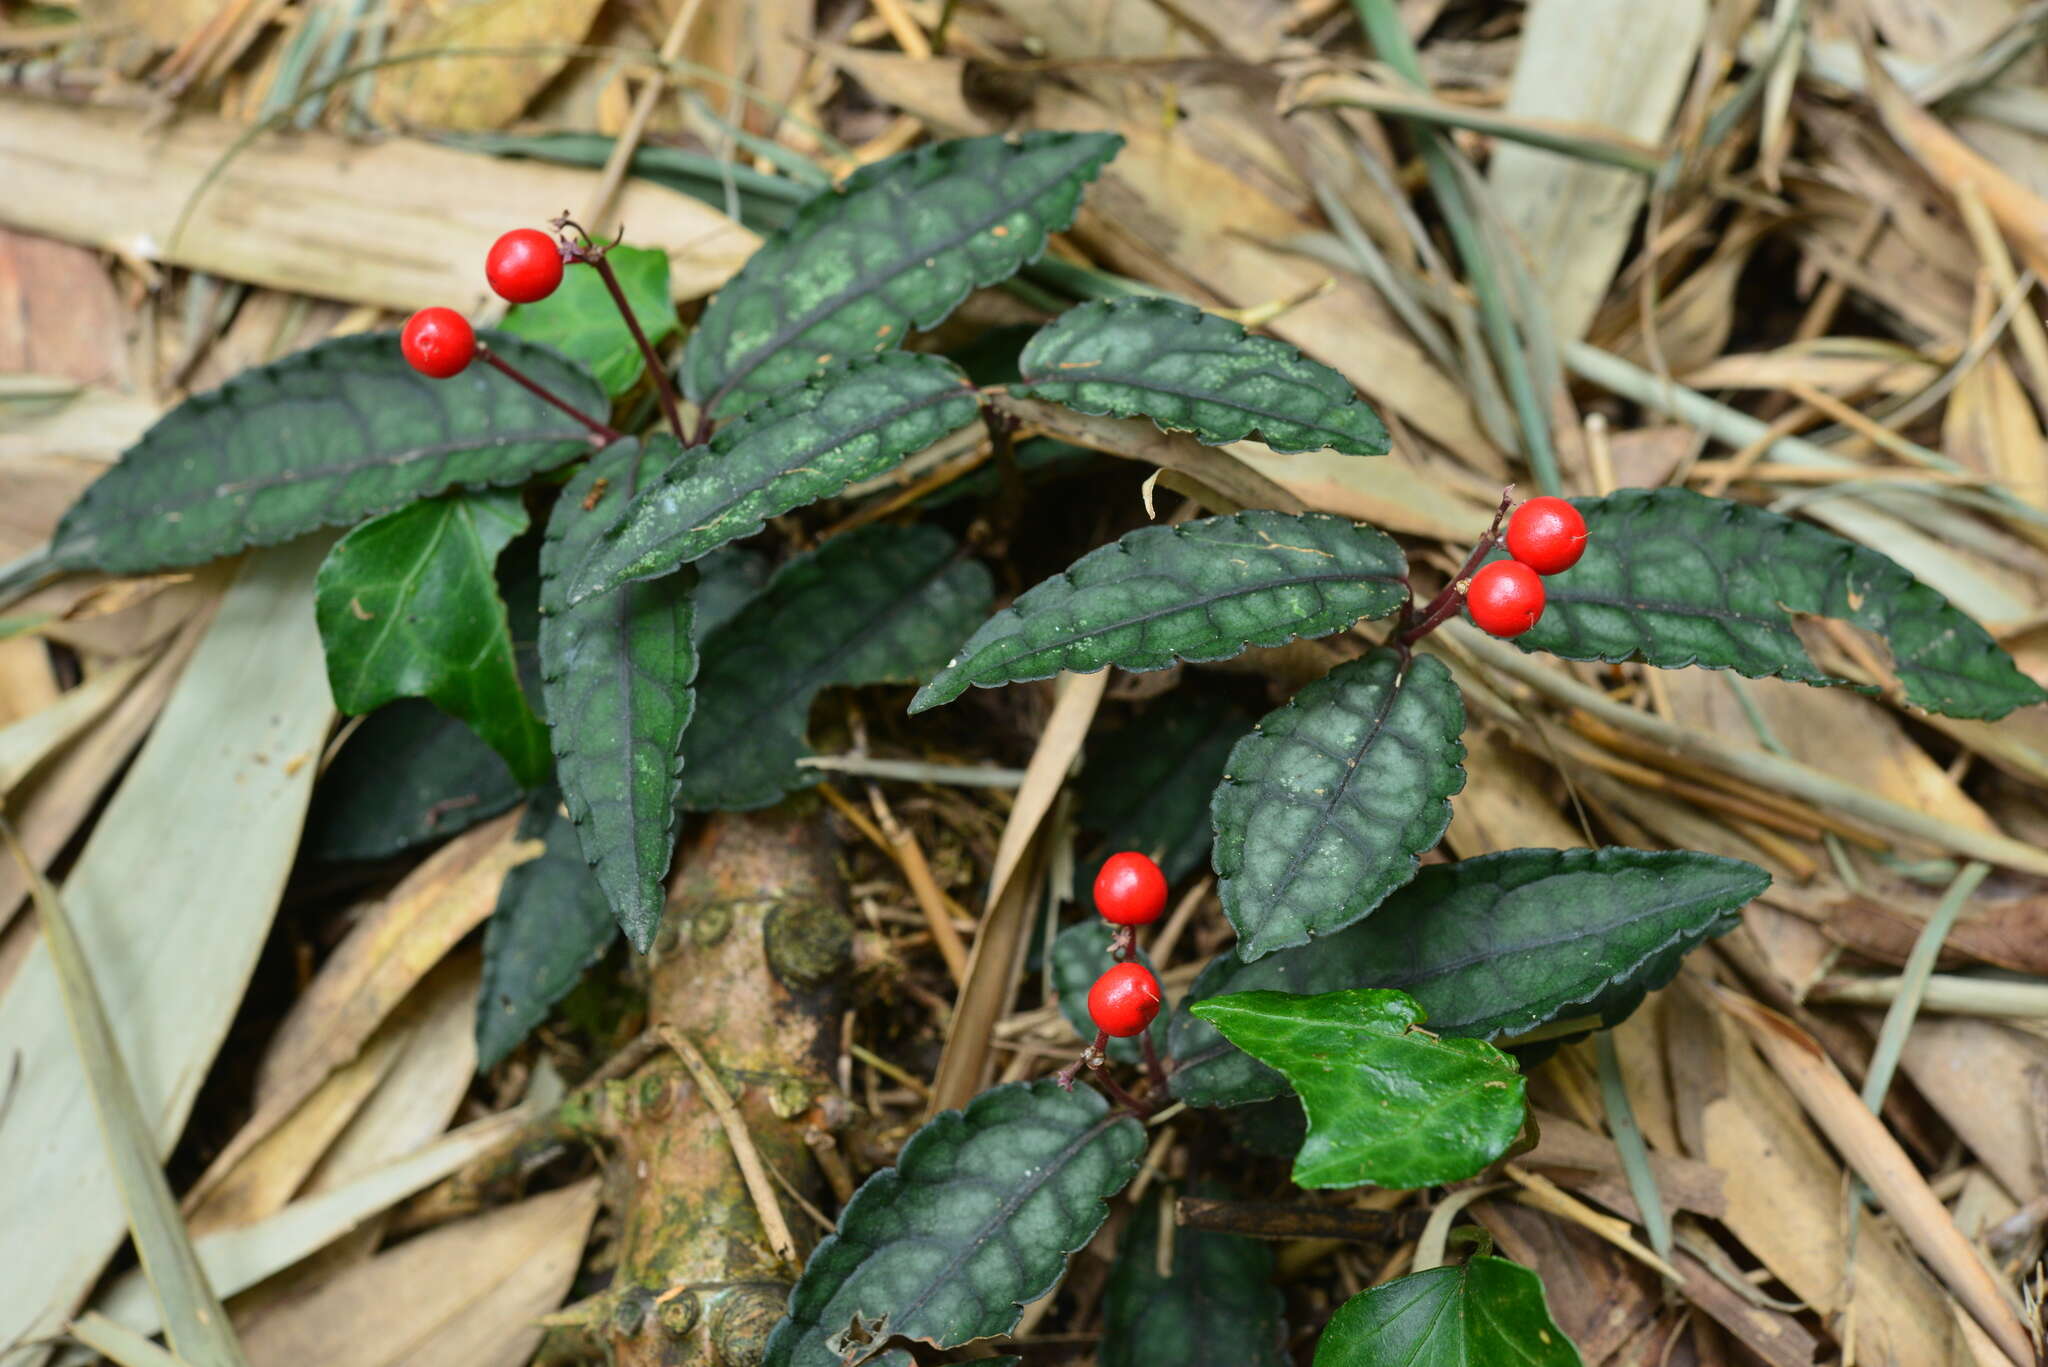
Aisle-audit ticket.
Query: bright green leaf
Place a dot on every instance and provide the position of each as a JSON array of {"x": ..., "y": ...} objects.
[
  {"x": 408, "y": 607},
  {"x": 1216, "y": 1307},
  {"x": 552, "y": 922},
  {"x": 409, "y": 774},
  {"x": 977, "y": 1218},
  {"x": 1202, "y": 590},
  {"x": 852, "y": 423},
  {"x": 1080, "y": 955},
  {"x": 616, "y": 674},
  {"x": 581, "y": 321},
  {"x": 1489, "y": 946},
  {"x": 1326, "y": 805},
  {"x": 325, "y": 437},
  {"x": 896, "y": 247},
  {"x": 881, "y": 604},
  {"x": 1487, "y": 1313},
  {"x": 1676, "y": 578},
  {"x": 1387, "y": 1103},
  {"x": 1191, "y": 371},
  {"x": 1146, "y": 785}
]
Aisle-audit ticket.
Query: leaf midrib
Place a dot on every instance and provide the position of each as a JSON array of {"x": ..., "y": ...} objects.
[
  {"x": 1202, "y": 602},
  {"x": 1099, "y": 376},
  {"x": 1001, "y": 1217},
  {"x": 873, "y": 284},
  {"x": 788, "y": 466}
]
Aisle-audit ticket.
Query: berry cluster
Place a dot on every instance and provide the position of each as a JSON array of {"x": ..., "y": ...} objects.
[
  {"x": 1130, "y": 891},
  {"x": 1545, "y": 536},
  {"x": 524, "y": 266}
]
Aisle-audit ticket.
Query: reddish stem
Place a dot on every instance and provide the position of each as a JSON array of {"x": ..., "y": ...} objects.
[
  {"x": 1090, "y": 1058},
  {"x": 518, "y": 377},
  {"x": 1153, "y": 1067},
  {"x": 662, "y": 388},
  {"x": 1117, "y": 1093},
  {"x": 1444, "y": 606}
]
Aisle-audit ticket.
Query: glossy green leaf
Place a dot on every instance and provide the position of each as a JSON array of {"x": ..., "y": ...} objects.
[
  {"x": 408, "y": 607},
  {"x": 1080, "y": 955},
  {"x": 616, "y": 674},
  {"x": 1675, "y": 578},
  {"x": 552, "y": 922},
  {"x": 1326, "y": 805},
  {"x": 1215, "y": 1307},
  {"x": 1489, "y": 946},
  {"x": 409, "y": 774},
  {"x": 1488, "y": 1312},
  {"x": 977, "y": 1218},
  {"x": 325, "y": 437},
  {"x": 1202, "y": 590},
  {"x": 1191, "y": 371},
  {"x": 1146, "y": 785},
  {"x": 581, "y": 321},
  {"x": 896, "y": 247},
  {"x": 881, "y": 604},
  {"x": 854, "y": 422},
  {"x": 1387, "y": 1103}
]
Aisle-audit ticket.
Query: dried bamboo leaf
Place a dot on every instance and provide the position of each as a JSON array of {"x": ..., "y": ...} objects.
[
  {"x": 211, "y": 809},
  {"x": 292, "y": 212}
]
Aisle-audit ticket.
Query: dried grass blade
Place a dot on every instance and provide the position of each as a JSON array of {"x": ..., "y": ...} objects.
[{"x": 194, "y": 1321}]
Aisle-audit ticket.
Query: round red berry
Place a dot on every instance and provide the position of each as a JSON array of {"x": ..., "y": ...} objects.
[
  {"x": 1124, "y": 1000},
  {"x": 1130, "y": 890},
  {"x": 438, "y": 342},
  {"x": 1505, "y": 599},
  {"x": 524, "y": 265},
  {"x": 1547, "y": 534}
]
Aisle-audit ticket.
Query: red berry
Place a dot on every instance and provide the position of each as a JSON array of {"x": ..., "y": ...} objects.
[
  {"x": 438, "y": 342},
  {"x": 1505, "y": 599},
  {"x": 1547, "y": 534},
  {"x": 1130, "y": 890},
  {"x": 1124, "y": 1000},
  {"x": 524, "y": 265}
]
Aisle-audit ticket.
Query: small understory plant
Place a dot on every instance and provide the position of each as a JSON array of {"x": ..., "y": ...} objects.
[{"x": 634, "y": 659}]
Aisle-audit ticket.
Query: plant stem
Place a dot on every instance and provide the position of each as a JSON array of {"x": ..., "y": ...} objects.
[
  {"x": 1089, "y": 1058},
  {"x": 1444, "y": 606},
  {"x": 1117, "y": 1093},
  {"x": 534, "y": 387},
  {"x": 1153, "y": 1067},
  {"x": 662, "y": 388}
]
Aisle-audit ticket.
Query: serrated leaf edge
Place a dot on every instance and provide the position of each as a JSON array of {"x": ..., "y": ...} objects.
[
  {"x": 1104, "y": 147},
  {"x": 1031, "y": 386},
  {"x": 929, "y": 697}
]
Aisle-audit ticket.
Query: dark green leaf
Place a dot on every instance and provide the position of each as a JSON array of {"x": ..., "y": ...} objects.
[
  {"x": 408, "y": 607},
  {"x": 1216, "y": 1306},
  {"x": 1487, "y": 1313},
  {"x": 898, "y": 246},
  {"x": 727, "y": 580},
  {"x": 552, "y": 923},
  {"x": 977, "y": 1217},
  {"x": 1202, "y": 590},
  {"x": 1191, "y": 371},
  {"x": 1495, "y": 945},
  {"x": 1387, "y": 1103},
  {"x": 879, "y": 605},
  {"x": 409, "y": 774},
  {"x": 323, "y": 438},
  {"x": 616, "y": 674},
  {"x": 1327, "y": 804},
  {"x": 854, "y": 422},
  {"x": 1146, "y": 785},
  {"x": 1080, "y": 955},
  {"x": 1675, "y": 578},
  {"x": 580, "y": 320}
]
